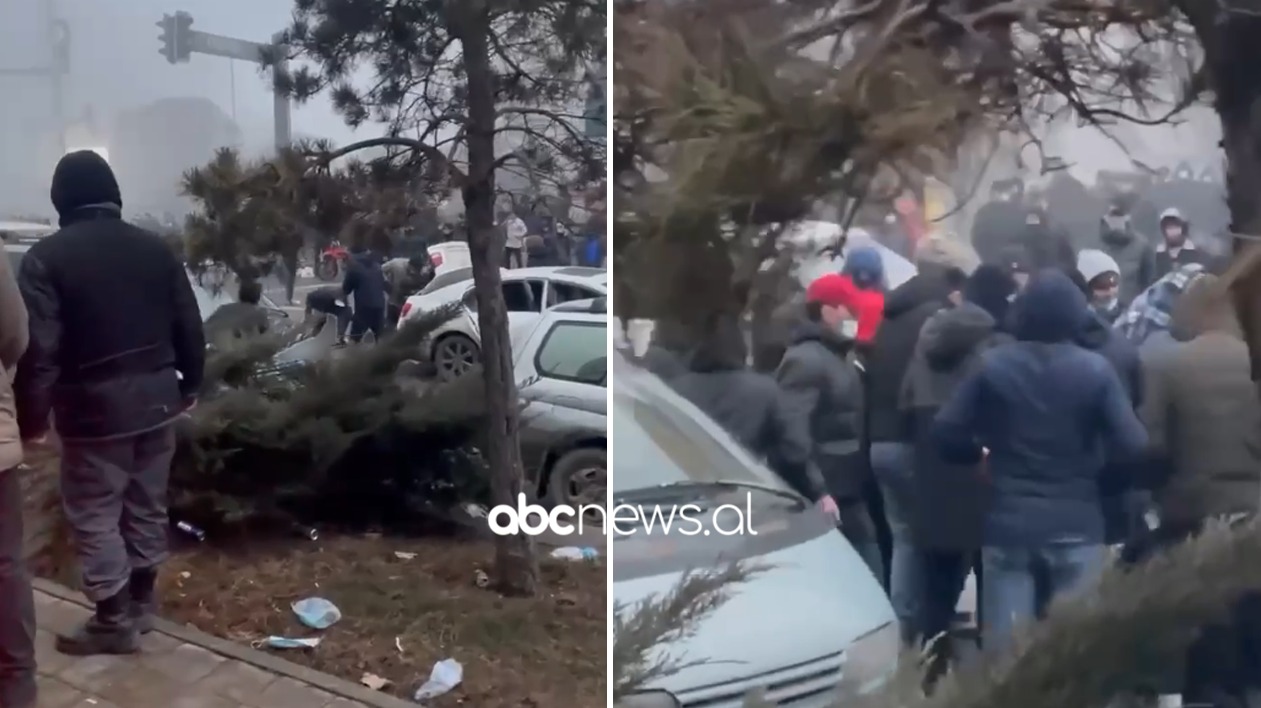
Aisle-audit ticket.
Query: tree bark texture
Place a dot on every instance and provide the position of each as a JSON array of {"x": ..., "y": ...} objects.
[
  {"x": 516, "y": 563},
  {"x": 1232, "y": 52}
]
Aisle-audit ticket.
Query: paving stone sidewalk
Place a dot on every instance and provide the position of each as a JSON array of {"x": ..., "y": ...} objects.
[{"x": 178, "y": 668}]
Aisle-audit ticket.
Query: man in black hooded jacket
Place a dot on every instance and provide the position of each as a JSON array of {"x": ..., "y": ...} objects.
[
  {"x": 905, "y": 311},
  {"x": 116, "y": 356}
]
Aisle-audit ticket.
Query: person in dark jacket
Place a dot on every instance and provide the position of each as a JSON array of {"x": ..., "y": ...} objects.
[
  {"x": 18, "y": 683},
  {"x": 1204, "y": 418},
  {"x": 1046, "y": 247},
  {"x": 116, "y": 355},
  {"x": 905, "y": 311},
  {"x": 325, "y": 306},
  {"x": 1135, "y": 258},
  {"x": 1124, "y": 500},
  {"x": 365, "y": 282},
  {"x": 948, "y": 501},
  {"x": 750, "y": 406},
  {"x": 1049, "y": 412},
  {"x": 1176, "y": 248},
  {"x": 824, "y": 391},
  {"x": 241, "y": 319}
]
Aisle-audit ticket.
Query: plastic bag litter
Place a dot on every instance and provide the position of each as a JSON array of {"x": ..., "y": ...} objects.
[
  {"x": 446, "y": 675},
  {"x": 575, "y": 553},
  {"x": 275, "y": 642},
  {"x": 317, "y": 613}
]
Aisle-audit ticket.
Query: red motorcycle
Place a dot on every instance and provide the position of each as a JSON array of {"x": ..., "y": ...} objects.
[{"x": 332, "y": 259}]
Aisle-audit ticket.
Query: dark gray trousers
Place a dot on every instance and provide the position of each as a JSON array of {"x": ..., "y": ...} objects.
[
  {"x": 115, "y": 496},
  {"x": 17, "y": 602}
]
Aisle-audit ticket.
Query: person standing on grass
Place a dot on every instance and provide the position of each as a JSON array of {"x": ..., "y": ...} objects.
[
  {"x": 116, "y": 355},
  {"x": 17, "y": 602}
]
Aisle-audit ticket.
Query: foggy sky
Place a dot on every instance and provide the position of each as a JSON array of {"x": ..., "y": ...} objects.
[{"x": 115, "y": 66}]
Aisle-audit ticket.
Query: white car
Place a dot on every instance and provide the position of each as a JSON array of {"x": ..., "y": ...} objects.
[
  {"x": 456, "y": 346},
  {"x": 813, "y": 626}
]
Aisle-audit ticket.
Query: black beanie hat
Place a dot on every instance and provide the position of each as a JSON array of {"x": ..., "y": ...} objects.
[
  {"x": 990, "y": 287},
  {"x": 84, "y": 178}
]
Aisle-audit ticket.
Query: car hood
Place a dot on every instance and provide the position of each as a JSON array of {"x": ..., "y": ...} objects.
[{"x": 816, "y": 598}]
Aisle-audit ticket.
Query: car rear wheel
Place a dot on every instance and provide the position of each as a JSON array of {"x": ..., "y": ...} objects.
[
  {"x": 454, "y": 355},
  {"x": 579, "y": 477}
]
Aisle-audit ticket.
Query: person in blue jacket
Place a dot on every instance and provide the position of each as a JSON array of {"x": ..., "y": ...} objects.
[
  {"x": 1045, "y": 414},
  {"x": 365, "y": 283}
]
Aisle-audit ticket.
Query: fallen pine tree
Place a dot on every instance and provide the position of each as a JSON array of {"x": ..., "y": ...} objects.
[{"x": 349, "y": 442}]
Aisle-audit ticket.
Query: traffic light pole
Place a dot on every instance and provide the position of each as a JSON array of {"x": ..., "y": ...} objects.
[{"x": 180, "y": 41}]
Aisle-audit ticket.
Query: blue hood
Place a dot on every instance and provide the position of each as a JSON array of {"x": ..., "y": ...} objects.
[
  {"x": 865, "y": 266},
  {"x": 1051, "y": 309}
]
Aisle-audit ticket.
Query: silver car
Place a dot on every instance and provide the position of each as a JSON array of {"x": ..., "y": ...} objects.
[{"x": 814, "y": 626}]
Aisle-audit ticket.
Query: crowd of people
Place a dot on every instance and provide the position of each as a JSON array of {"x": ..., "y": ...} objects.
[{"x": 1031, "y": 422}]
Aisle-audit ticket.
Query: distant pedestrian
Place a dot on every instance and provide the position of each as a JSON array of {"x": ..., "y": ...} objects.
[
  {"x": 116, "y": 355},
  {"x": 515, "y": 231},
  {"x": 17, "y": 603},
  {"x": 1176, "y": 248},
  {"x": 1049, "y": 412},
  {"x": 365, "y": 286}
]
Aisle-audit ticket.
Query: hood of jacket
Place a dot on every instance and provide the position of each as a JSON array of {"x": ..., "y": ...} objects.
[
  {"x": 809, "y": 331},
  {"x": 84, "y": 180},
  {"x": 1092, "y": 263},
  {"x": 1051, "y": 309},
  {"x": 921, "y": 288},
  {"x": 950, "y": 335}
]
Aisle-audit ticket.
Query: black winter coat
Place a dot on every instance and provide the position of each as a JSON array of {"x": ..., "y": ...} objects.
[
  {"x": 824, "y": 395},
  {"x": 112, "y": 319},
  {"x": 751, "y": 407},
  {"x": 905, "y": 311},
  {"x": 949, "y": 501}
]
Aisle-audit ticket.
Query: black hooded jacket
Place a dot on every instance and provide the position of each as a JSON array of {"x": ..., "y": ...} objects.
[
  {"x": 113, "y": 318},
  {"x": 949, "y": 500},
  {"x": 823, "y": 392},
  {"x": 905, "y": 311}
]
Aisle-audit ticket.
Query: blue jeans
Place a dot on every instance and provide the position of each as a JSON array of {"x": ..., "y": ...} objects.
[
  {"x": 891, "y": 464},
  {"x": 1020, "y": 582}
]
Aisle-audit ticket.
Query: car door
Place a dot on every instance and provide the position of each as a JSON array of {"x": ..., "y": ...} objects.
[{"x": 561, "y": 372}]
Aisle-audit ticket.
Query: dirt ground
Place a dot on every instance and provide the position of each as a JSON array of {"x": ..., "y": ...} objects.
[
  {"x": 402, "y": 615},
  {"x": 544, "y": 651}
]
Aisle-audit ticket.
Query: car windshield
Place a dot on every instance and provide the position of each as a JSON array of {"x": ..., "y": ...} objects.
[{"x": 662, "y": 439}]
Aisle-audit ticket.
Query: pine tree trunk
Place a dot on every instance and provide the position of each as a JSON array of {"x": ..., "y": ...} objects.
[
  {"x": 1231, "y": 45},
  {"x": 516, "y": 565}
]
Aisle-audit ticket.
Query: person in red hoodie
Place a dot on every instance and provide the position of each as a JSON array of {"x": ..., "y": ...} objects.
[{"x": 865, "y": 269}]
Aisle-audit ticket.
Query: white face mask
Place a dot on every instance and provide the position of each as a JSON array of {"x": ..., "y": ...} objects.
[{"x": 848, "y": 329}]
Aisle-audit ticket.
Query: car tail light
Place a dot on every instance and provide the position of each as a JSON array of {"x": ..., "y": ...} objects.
[
  {"x": 435, "y": 259},
  {"x": 402, "y": 313}
]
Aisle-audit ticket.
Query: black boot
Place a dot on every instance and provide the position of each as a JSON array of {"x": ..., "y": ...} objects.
[
  {"x": 109, "y": 631},
  {"x": 143, "y": 606}
]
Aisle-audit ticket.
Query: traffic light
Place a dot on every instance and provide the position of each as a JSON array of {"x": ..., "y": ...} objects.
[
  {"x": 175, "y": 36},
  {"x": 167, "y": 25}
]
